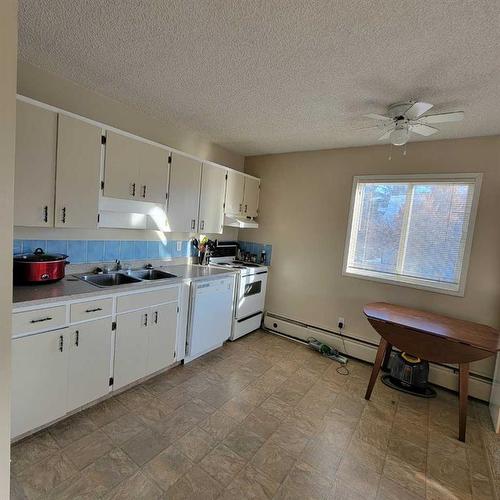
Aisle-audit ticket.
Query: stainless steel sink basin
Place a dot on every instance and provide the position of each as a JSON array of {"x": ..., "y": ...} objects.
[
  {"x": 150, "y": 274},
  {"x": 111, "y": 279}
]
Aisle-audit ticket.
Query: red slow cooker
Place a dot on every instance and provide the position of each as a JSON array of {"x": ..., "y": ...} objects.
[{"x": 38, "y": 267}]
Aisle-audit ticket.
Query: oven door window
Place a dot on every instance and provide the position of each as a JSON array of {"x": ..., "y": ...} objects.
[{"x": 253, "y": 288}]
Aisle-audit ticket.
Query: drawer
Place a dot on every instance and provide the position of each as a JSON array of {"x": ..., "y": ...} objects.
[
  {"x": 40, "y": 319},
  {"x": 146, "y": 299},
  {"x": 91, "y": 309}
]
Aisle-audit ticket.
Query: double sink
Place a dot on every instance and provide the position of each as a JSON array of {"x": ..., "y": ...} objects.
[{"x": 125, "y": 277}]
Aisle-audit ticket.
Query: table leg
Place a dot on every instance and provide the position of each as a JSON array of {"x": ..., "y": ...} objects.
[
  {"x": 387, "y": 357},
  {"x": 382, "y": 348},
  {"x": 464, "y": 394}
]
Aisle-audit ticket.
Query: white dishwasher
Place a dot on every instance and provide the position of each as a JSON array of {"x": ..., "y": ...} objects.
[{"x": 210, "y": 316}]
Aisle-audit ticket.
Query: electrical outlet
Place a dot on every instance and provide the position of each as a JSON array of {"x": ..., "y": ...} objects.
[
  {"x": 341, "y": 321},
  {"x": 179, "y": 246}
]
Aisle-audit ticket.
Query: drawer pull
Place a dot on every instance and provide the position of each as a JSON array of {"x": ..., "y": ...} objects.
[
  {"x": 146, "y": 319},
  {"x": 77, "y": 338},
  {"x": 48, "y": 318},
  {"x": 156, "y": 317},
  {"x": 61, "y": 343},
  {"x": 93, "y": 310}
]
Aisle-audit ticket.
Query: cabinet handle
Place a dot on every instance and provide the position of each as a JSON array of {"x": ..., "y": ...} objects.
[
  {"x": 61, "y": 343},
  {"x": 146, "y": 319},
  {"x": 77, "y": 338},
  {"x": 45, "y": 213},
  {"x": 48, "y": 318},
  {"x": 133, "y": 188},
  {"x": 156, "y": 317},
  {"x": 241, "y": 207},
  {"x": 202, "y": 225},
  {"x": 144, "y": 191},
  {"x": 193, "y": 223},
  {"x": 246, "y": 208},
  {"x": 63, "y": 218},
  {"x": 93, "y": 310}
]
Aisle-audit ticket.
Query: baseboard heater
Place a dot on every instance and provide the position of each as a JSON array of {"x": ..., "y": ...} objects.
[{"x": 441, "y": 375}]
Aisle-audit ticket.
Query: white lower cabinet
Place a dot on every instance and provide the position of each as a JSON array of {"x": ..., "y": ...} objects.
[
  {"x": 162, "y": 337},
  {"x": 58, "y": 371},
  {"x": 145, "y": 342},
  {"x": 130, "y": 347},
  {"x": 39, "y": 379},
  {"x": 89, "y": 362}
]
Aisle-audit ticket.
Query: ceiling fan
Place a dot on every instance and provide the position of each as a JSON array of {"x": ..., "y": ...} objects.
[{"x": 405, "y": 117}]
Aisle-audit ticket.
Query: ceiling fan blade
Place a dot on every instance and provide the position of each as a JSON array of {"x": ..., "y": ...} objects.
[
  {"x": 375, "y": 116},
  {"x": 455, "y": 116},
  {"x": 373, "y": 127},
  {"x": 417, "y": 109},
  {"x": 421, "y": 129},
  {"x": 385, "y": 135}
]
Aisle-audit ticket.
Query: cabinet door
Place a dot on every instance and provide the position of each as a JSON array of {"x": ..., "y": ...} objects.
[
  {"x": 153, "y": 173},
  {"x": 162, "y": 337},
  {"x": 39, "y": 379},
  {"x": 213, "y": 183},
  {"x": 183, "y": 194},
  {"x": 234, "y": 192},
  {"x": 121, "y": 167},
  {"x": 89, "y": 362},
  {"x": 36, "y": 137},
  {"x": 251, "y": 197},
  {"x": 131, "y": 347},
  {"x": 78, "y": 173}
]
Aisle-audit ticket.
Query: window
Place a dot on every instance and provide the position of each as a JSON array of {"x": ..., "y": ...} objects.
[{"x": 412, "y": 230}]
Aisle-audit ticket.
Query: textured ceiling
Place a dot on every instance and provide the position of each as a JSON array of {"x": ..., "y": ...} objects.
[{"x": 276, "y": 75}]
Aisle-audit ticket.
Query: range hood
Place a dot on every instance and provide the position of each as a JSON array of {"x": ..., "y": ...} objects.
[{"x": 240, "y": 221}]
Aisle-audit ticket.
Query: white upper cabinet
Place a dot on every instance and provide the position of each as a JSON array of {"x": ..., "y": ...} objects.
[
  {"x": 121, "y": 168},
  {"x": 213, "y": 183},
  {"x": 63, "y": 165},
  {"x": 184, "y": 194},
  {"x": 135, "y": 170},
  {"x": 77, "y": 176},
  {"x": 234, "y": 192},
  {"x": 251, "y": 197},
  {"x": 153, "y": 173},
  {"x": 242, "y": 194},
  {"x": 36, "y": 137}
]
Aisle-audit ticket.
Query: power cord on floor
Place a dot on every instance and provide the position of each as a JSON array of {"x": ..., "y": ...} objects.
[{"x": 342, "y": 369}]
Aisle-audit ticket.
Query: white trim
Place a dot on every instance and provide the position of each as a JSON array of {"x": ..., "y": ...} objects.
[
  {"x": 419, "y": 283},
  {"x": 49, "y": 107}
]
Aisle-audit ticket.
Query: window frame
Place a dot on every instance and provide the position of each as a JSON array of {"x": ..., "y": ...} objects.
[{"x": 418, "y": 283}]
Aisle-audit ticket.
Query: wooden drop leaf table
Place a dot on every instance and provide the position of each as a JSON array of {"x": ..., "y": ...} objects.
[{"x": 432, "y": 337}]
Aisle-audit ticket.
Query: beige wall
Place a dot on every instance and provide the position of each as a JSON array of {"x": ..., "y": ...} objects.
[
  {"x": 304, "y": 209},
  {"x": 51, "y": 89},
  {"x": 8, "y": 55}
]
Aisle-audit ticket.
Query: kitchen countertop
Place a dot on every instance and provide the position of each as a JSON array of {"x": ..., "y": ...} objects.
[{"x": 70, "y": 288}]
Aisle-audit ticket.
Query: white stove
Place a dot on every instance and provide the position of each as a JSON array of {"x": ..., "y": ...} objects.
[{"x": 250, "y": 289}]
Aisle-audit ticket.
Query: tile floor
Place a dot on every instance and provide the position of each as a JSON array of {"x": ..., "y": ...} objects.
[{"x": 263, "y": 417}]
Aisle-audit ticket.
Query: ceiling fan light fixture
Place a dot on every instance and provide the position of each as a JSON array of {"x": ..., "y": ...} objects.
[{"x": 399, "y": 136}]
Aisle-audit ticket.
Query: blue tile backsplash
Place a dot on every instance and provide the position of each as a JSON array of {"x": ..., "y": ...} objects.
[
  {"x": 256, "y": 248},
  {"x": 83, "y": 251}
]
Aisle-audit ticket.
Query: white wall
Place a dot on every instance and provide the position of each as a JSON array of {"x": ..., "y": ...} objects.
[
  {"x": 304, "y": 206},
  {"x": 8, "y": 56}
]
